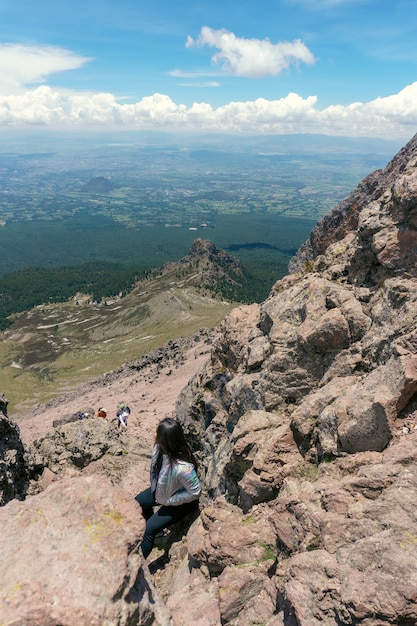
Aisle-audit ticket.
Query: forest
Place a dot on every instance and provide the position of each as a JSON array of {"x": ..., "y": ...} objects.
[{"x": 78, "y": 253}]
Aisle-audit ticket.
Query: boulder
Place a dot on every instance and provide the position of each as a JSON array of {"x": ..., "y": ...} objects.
[
  {"x": 14, "y": 477},
  {"x": 223, "y": 536},
  {"x": 72, "y": 557},
  {"x": 79, "y": 443},
  {"x": 191, "y": 597},
  {"x": 263, "y": 452},
  {"x": 92, "y": 447}
]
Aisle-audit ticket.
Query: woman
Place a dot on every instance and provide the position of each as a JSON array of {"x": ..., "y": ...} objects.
[{"x": 174, "y": 482}]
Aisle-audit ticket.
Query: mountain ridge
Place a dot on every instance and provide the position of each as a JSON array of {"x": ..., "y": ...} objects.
[{"x": 54, "y": 346}]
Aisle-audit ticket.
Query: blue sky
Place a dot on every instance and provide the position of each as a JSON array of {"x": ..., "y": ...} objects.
[{"x": 339, "y": 67}]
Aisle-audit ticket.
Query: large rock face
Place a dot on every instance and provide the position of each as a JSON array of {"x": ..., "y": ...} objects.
[
  {"x": 305, "y": 421},
  {"x": 333, "y": 348}
]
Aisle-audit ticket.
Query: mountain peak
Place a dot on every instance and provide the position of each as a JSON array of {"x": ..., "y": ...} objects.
[
  {"x": 203, "y": 246},
  {"x": 177, "y": 299},
  {"x": 205, "y": 249}
]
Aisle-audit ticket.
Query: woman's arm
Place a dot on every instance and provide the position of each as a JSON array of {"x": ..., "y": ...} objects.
[
  {"x": 153, "y": 470},
  {"x": 190, "y": 485}
]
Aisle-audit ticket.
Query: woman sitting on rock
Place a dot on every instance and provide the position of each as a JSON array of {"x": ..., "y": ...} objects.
[{"x": 174, "y": 482}]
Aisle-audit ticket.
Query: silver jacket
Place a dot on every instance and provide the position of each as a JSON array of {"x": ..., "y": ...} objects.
[{"x": 177, "y": 483}]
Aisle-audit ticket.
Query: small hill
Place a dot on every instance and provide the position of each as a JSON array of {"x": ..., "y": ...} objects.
[
  {"x": 55, "y": 346},
  {"x": 100, "y": 184}
]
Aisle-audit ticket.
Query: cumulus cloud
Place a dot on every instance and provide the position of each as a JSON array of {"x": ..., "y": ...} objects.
[
  {"x": 22, "y": 66},
  {"x": 390, "y": 117},
  {"x": 252, "y": 58}
]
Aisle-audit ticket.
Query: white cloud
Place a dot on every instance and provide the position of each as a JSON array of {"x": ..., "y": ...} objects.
[
  {"x": 209, "y": 83},
  {"x": 197, "y": 74},
  {"x": 23, "y": 66},
  {"x": 251, "y": 57},
  {"x": 390, "y": 117}
]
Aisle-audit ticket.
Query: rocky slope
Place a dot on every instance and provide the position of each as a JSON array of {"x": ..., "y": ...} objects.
[
  {"x": 305, "y": 420},
  {"x": 304, "y": 417}
]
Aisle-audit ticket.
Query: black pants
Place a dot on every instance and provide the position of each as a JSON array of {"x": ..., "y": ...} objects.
[{"x": 162, "y": 518}]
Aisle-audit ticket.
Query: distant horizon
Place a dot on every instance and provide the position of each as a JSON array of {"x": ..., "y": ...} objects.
[{"x": 125, "y": 137}]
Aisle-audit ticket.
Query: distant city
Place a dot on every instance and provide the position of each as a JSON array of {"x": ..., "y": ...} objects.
[{"x": 182, "y": 183}]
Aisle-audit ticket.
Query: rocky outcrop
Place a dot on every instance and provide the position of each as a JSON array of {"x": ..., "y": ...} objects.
[
  {"x": 77, "y": 444},
  {"x": 217, "y": 271},
  {"x": 345, "y": 541},
  {"x": 305, "y": 420},
  {"x": 94, "y": 446},
  {"x": 376, "y": 223},
  {"x": 332, "y": 350},
  {"x": 13, "y": 470},
  {"x": 335, "y": 547},
  {"x": 206, "y": 251},
  {"x": 78, "y": 560},
  {"x": 77, "y": 532}
]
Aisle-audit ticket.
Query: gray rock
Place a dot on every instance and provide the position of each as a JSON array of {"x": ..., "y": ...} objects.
[{"x": 14, "y": 475}]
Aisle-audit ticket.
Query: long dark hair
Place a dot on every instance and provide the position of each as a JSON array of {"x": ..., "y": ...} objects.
[{"x": 171, "y": 440}]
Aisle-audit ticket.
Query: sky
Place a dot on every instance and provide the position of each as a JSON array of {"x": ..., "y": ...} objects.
[{"x": 334, "y": 67}]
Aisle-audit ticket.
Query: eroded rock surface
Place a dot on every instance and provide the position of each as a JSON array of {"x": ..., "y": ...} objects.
[
  {"x": 306, "y": 416},
  {"x": 77, "y": 561}
]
